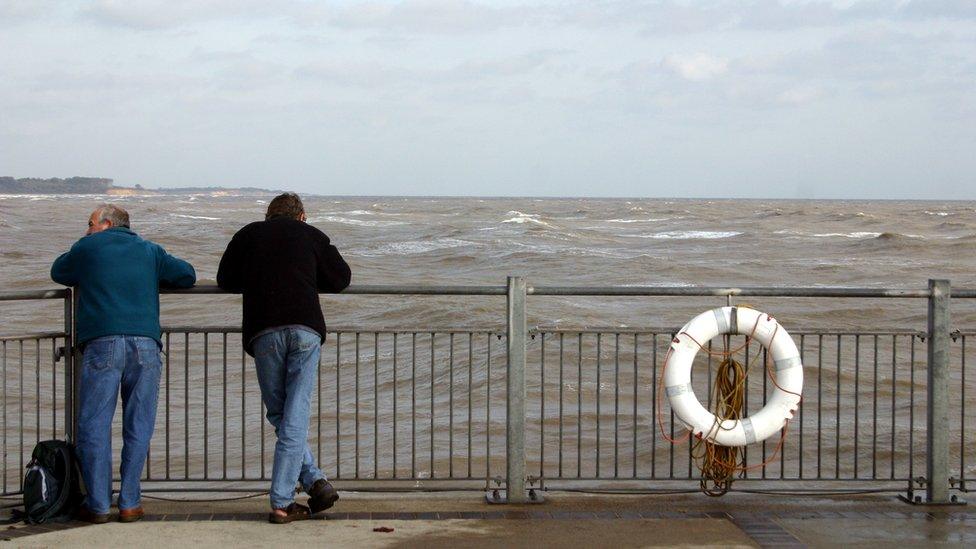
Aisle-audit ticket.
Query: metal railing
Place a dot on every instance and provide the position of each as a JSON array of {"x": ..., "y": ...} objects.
[{"x": 518, "y": 409}]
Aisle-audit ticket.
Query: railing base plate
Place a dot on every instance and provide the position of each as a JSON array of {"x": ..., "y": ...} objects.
[
  {"x": 919, "y": 500},
  {"x": 496, "y": 497}
]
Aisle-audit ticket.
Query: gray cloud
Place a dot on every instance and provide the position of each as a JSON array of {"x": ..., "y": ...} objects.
[{"x": 437, "y": 93}]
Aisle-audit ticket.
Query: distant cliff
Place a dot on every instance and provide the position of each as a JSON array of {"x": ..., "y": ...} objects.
[{"x": 71, "y": 185}]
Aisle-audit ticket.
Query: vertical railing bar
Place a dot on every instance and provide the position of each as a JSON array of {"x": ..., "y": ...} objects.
[
  {"x": 488, "y": 411},
  {"x": 20, "y": 405},
  {"x": 579, "y": 405},
  {"x": 599, "y": 415},
  {"x": 837, "y": 415},
  {"x": 654, "y": 403},
  {"x": 355, "y": 468},
  {"x": 671, "y": 434},
  {"x": 634, "y": 439},
  {"x": 962, "y": 413},
  {"x": 186, "y": 405},
  {"x": 803, "y": 359},
  {"x": 54, "y": 389},
  {"x": 37, "y": 389},
  {"x": 224, "y": 403},
  {"x": 206, "y": 402},
  {"x": 911, "y": 410},
  {"x": 69, "y": 368},
  {"x": 413, "y": 405},
  {"x": 318, "y": 411},
  {"x": 857, "y": 402},
  {"x": 432, "y": 413},
  {"x": 243, "y": 413},
  {"x": 338, "y": 386},
  {"x": 874, "y": 414},
  {"x": 470, "y": 397},
  {"x": 894, "y": 374},
  {"x": 745, "y": 406},
  {"x": 542, "y": 407},
  {"x": 765, "y": 380},
  {"x": 450, "y": 407},
  {"x": 691, "y": 379},
  {"x": 561, "y": 346},
  {"x": 782, "y": 453},
  {"x": 168, "y": 408},
  {"x": 819, "y": 402},
  {"x": 616, "y": 406},
  {"x": 395, "y": 408},
  {"x": 5, "y": 415},
  {"x": 376, "y": 405}
]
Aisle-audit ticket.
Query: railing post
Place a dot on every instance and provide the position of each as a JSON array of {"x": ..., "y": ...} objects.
[
  {"x": 515, "y": 410},
  {"x": 69, "y": 365},
  {"x": 937, "y": 418}
]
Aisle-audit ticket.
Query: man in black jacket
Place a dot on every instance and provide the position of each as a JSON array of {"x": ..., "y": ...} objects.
[{"x": 280, "y": 265}]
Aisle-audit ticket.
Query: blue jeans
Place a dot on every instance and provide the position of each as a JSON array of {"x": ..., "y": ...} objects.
[
  {"x": 287, "y": 362},
  {"x": 131, "y": 362}
]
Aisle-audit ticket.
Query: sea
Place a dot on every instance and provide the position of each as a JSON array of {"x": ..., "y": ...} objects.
[{"x": 658, "y": 242}]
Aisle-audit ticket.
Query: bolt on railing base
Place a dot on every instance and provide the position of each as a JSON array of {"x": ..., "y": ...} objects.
[
  {"x": 500, "y": 495},
  {"x": 916, "y": 494},
  {"x": 918, "y": 499}
]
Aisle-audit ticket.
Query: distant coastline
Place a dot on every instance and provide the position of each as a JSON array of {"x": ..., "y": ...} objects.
[{"x": 103, "y": 185}]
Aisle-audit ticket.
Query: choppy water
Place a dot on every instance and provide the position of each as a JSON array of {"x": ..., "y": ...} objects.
[
  {"x": 389, "y": 240},
  {"x": 550, "y": 241}
]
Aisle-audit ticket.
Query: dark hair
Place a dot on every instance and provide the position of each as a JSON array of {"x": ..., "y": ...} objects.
[{"x": 286, "y": 205}]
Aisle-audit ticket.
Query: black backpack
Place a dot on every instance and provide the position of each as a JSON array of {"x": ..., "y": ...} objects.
[{"x": 52, "y": 484}]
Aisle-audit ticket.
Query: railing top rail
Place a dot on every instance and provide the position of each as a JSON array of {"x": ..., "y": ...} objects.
[
  {"x": 712, "y": 291},
  {"x": 33, "y": 294},
  {"x": 604, "y": 291},
  {"x": 374, "y": 289},
  {"x": 31, "y": 337}
]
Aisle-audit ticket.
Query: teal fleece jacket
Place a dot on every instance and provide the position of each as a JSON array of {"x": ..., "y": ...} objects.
[{"x": 117, "y": 275}]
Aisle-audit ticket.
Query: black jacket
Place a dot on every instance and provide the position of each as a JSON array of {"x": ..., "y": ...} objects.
[{"x": 280, "y": 266}]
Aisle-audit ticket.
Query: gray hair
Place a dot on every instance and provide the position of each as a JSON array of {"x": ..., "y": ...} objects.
[{"x": 113, "y": 213}]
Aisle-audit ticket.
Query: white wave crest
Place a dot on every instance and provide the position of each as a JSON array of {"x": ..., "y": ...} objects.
[
  {"x": 648, "y": 220},
  {"x": 856, "y": 234},
  {"x": 411, "y": 247},
  {"x": 185, "y": 216},
  {"x": 357, "y": 222},
  {"x": 525, "y": 218},
  {"x": 689, "y": 235}
]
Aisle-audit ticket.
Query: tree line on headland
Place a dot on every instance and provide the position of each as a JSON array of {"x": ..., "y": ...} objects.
[
  {"x": 103, "y": 185},
  {"x": 55, "y": 185}
]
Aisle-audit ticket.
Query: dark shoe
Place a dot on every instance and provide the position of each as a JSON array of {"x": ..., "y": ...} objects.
[
  {"x": 293, "y": 512},
  {"x": 87, "y": 516},
  {"x": 131, "y": 515},
  {"x": 321, "y": 496}
]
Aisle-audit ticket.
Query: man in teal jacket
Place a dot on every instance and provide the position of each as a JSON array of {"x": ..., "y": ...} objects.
[{"x": 117, "y": 276}]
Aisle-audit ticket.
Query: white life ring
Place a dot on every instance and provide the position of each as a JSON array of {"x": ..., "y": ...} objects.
[{"x": 788, "y": 371}]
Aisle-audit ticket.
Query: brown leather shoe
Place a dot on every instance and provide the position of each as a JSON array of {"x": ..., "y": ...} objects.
[
  {"x": 131, "y": 515},
  {"x": 84, "y": 514}
]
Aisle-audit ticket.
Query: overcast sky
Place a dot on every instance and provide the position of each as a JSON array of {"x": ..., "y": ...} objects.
[{"x": 778, "y": 99}]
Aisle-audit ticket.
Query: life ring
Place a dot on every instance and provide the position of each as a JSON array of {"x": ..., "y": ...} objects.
[{"x": 786, "y": 364}]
